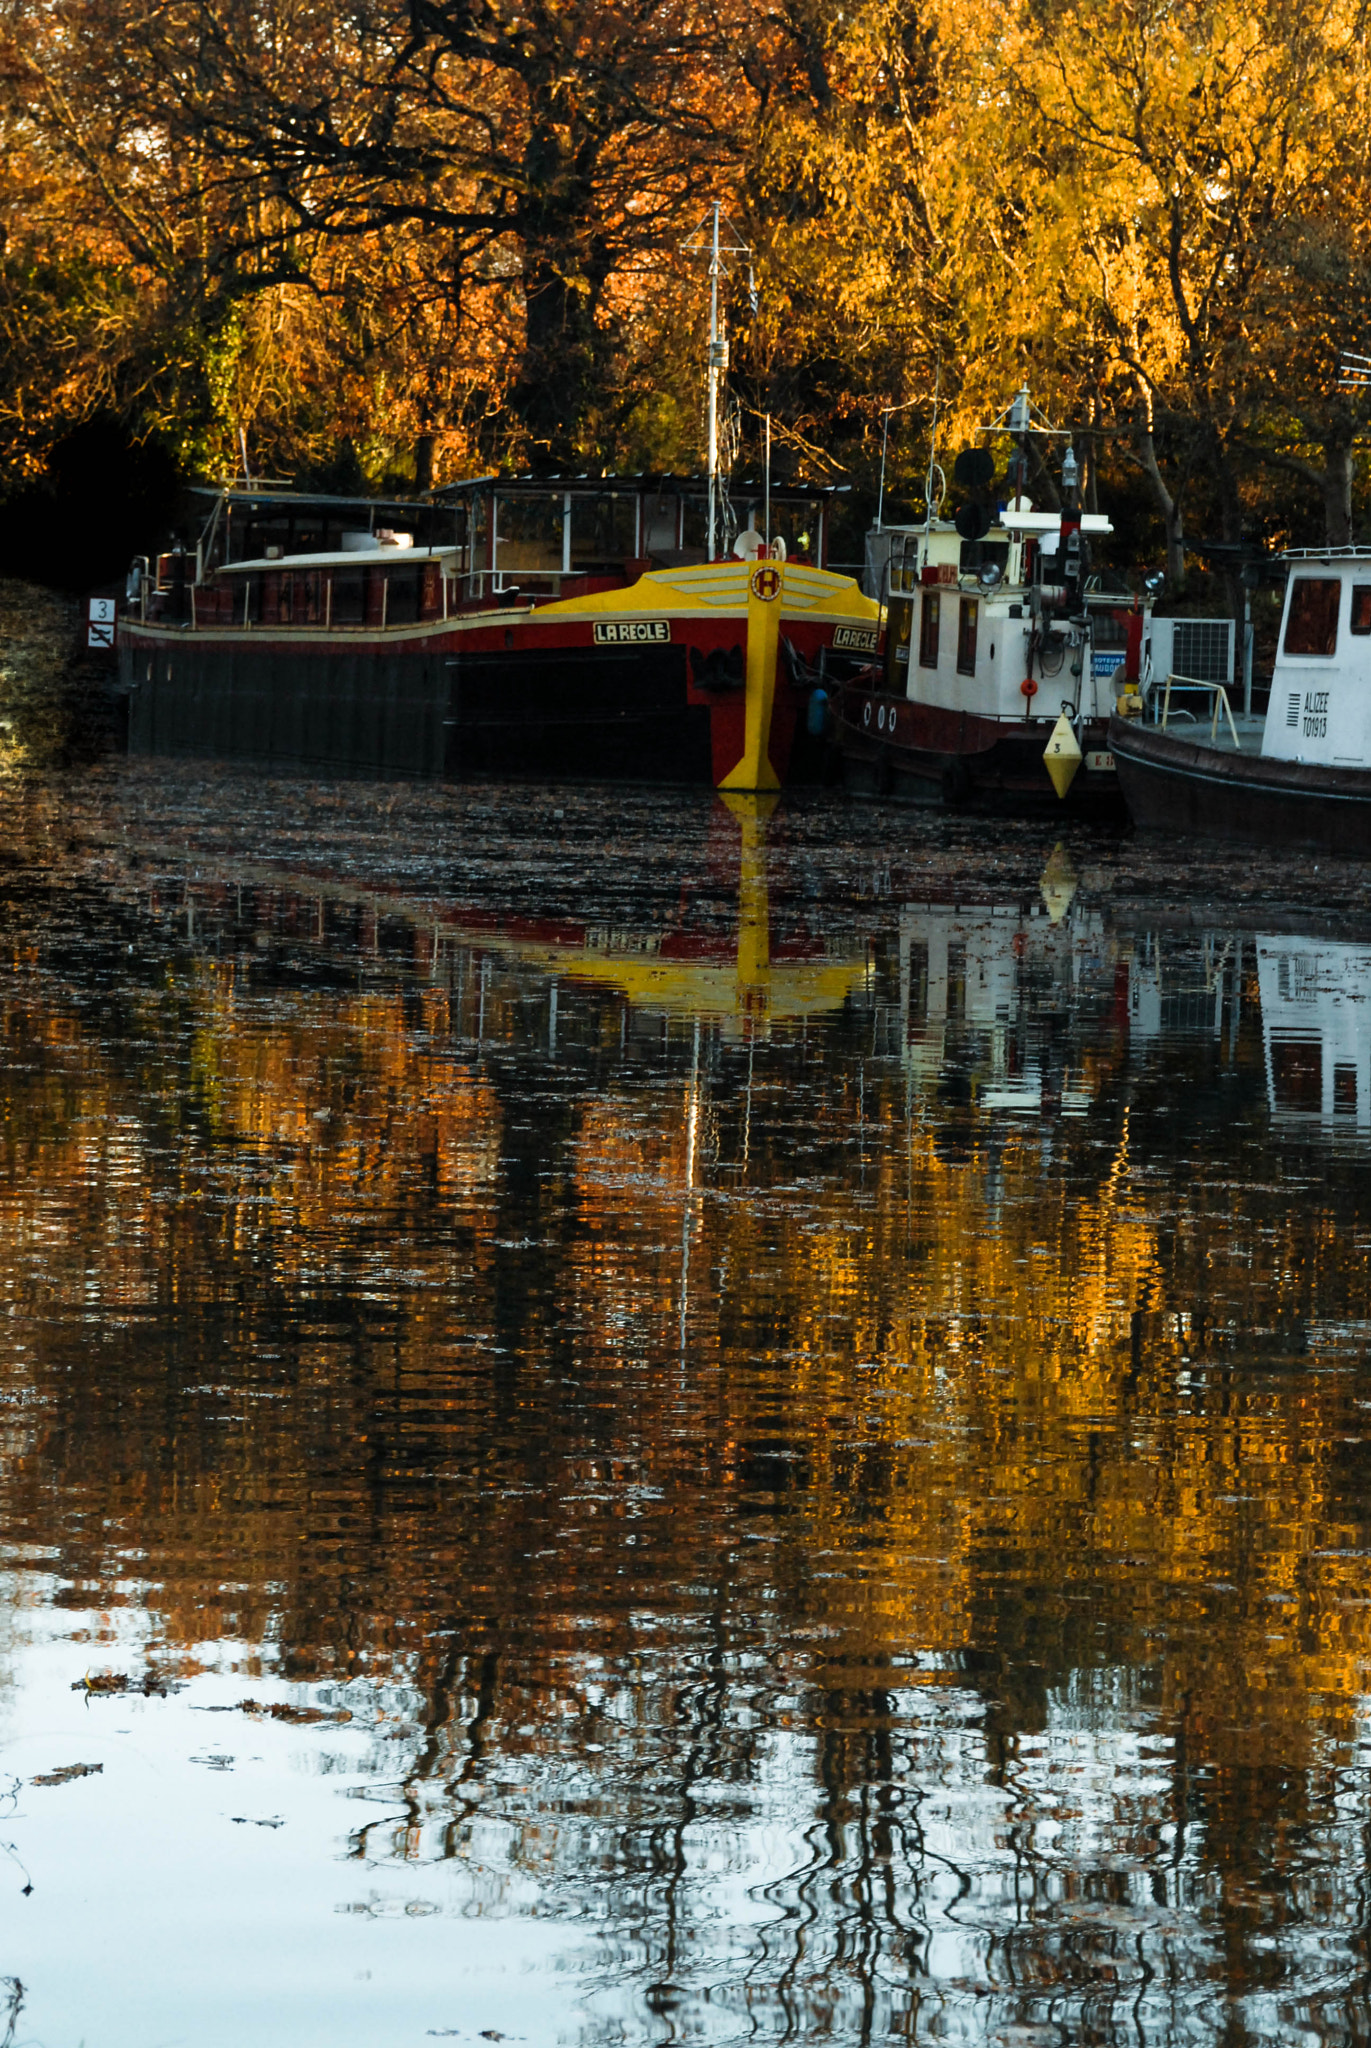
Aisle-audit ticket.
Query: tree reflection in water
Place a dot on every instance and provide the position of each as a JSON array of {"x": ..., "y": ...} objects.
[{"x": 833, "y": 1435}]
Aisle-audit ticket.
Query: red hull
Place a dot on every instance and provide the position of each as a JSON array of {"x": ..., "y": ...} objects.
[{"x": 894, "y": 747}]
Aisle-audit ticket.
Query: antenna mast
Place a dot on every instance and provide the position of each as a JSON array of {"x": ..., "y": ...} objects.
[
  {"x": 709, "y": 235},
  {"x": 716, "y": 367}
]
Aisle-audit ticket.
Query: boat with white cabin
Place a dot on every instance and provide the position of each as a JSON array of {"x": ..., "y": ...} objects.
[
  {"x": 1004, "y": 652},
  {"x": 1308, "y": 783}
]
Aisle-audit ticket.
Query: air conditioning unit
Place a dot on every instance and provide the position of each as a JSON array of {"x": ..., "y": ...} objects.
[{"x": 1199, "y": 648}]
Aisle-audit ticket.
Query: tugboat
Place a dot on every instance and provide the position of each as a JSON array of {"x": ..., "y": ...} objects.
[
  {"x": 506, "y": 626},
  {"x": 1309, "y": 785},
  {"x": 1003, "y": 656}
]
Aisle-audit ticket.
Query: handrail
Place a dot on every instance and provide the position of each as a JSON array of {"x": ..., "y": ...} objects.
[
  {"x": 1220, "y": 693},
  {"x": 1353, "y": 551},
  {"x": 522, "y": 587}
]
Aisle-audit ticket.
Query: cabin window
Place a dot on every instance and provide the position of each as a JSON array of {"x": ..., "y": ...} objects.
[
  {"x": 966, "y": 636},
  {"x": 1312, "y": 624},
  {"x": 297, "y": 602},
  {"x": 979, "y": 554},
  {"x": 349, "y": 597},
  {"x": 604, "y": 530},
  {"x": 1361, "y": 608},
  {"x": 928, "y": 630},
  {"x": 661, "y": 523},
  {"x": 402, "y": 598},
  {"x": 904, "y": 564},
  {"x": 530, "y": 533},
  {"x": 307, "y": 597}
]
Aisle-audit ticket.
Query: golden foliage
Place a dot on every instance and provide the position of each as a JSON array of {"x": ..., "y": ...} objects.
[{"x": 462, "y": 229}]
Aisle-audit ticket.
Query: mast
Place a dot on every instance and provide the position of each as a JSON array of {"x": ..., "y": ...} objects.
[
  {"x": 718, "y": 362},
  {"x": 766, "y": 516},
  {"x": 710, "y": 237}
]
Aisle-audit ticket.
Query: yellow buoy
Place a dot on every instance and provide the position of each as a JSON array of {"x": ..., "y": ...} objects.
[{"x": 1062, "y": 755}]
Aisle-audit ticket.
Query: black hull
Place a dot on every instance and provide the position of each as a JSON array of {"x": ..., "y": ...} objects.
[
  {"x": 583, "y": 711},
  {"x": 419, "y": 712},
  {"x": 1182, "y": 786},
  {"x": 979, "y": 766}
]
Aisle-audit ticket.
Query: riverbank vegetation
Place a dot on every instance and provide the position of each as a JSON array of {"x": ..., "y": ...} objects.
[
  {"x": 416, "y": 239},
  {"x": 54, "y": 700}
]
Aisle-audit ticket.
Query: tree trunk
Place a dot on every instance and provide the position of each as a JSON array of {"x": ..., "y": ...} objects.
[
  {"x": 565, "y": 269},
  {"x": 1230, "y": 512},
  {"x": 1336, "y": 485},
  {"x": 1173, "y": 517},
  {"x": 1090, "y": 496}
]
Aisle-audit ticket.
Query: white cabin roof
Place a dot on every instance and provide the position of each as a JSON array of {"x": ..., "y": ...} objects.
[
  {"x": 1017, "y": 522},
  {"x": 348, "y": 558},
  {"x": 1050, "y": 522}
]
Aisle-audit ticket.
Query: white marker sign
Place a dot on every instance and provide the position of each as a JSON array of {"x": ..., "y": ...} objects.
[{"x": 100, "y": 614}]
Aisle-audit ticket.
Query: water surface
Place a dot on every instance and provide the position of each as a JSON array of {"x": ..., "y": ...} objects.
[{"x": 629, "y": 1420}]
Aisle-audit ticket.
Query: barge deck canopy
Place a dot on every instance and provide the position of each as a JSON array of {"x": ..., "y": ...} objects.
[{"x": 516, "y": 528}]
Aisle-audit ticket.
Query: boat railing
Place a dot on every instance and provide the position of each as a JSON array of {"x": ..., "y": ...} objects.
[
  {"x": 1219, "y": 693},
  {"x": 1354, "y": 551},
  {"x": 460, "y": 588},
  {"x": 485, "y": 583}
]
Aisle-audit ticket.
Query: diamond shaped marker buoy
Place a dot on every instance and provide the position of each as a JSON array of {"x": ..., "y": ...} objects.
[{"x": 1062, "y": 755}]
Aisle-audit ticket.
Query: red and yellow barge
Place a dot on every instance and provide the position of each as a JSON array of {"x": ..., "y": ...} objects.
[{"x": 446, "y": 642}]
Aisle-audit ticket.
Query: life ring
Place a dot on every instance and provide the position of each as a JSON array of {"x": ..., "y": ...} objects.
[
  {"x": 880, "y": 718},
  {"x": 1029, "y": 687},
  {"x": 866, "y": 712}
]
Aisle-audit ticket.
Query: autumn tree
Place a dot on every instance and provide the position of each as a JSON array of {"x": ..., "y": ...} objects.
[
  {"x": 532, "y": 160},
  {"x": 457, "y": 224},
  {"x": 858, "y": 307},
  {"x": 1182, "y": 165}
]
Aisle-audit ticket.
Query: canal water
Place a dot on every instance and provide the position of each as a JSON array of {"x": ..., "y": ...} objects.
[{"x": 629, "y": 1418}]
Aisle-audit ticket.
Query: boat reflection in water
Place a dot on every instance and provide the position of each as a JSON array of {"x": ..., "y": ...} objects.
[
  {"x": 817, "y": 1435},
  {"x": 985, "y": 988},
  {"x": 1316, "y": 1022},
  {"x": 743, "y": 984}
]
